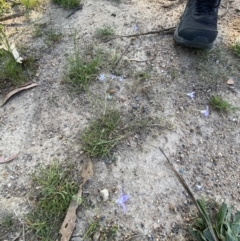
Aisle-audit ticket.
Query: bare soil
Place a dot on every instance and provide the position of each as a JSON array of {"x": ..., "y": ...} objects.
[{"x": 45, "y": 123}]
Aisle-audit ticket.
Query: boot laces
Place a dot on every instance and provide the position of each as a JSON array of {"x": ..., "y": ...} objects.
[{"x": 206, "y": 6}]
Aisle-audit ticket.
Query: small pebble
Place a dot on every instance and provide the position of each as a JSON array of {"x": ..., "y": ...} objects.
[
  {"x": 135, "y": 106},
  {"x": 109, "y": 97},
  {"x": 172, "y": 207},
  {"x": 112, "y": 91},
  {"x": 104, "y": 194},
  {"x": 96, "y": 236},
  {"x": 198, "y": 187}
]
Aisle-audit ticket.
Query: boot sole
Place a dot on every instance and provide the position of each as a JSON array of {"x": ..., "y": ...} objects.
[{"x": 199, "y": 42}]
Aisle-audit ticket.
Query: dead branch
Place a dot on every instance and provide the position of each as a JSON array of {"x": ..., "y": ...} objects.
[
  {"x": 15, "y": 15},
  {"x": 125, "y": 50},
  {"x": 161, "y": 31},
  {"x": 187, "y": 189}
]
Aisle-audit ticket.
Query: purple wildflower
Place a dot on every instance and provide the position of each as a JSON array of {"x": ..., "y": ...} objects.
[
  {"x": 206, "y": 111},
  {"x": 135, "y": 27},
  {"x": 122, "y": 200},
  {"x": 121, "y": 78},
  {"x": 113, "y": 76},
  {"x": 191, "y": 95},
  {"x": 101, "y": 77}
]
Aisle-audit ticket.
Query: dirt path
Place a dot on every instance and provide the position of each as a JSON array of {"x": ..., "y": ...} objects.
[{"x": 45, "y": 123}]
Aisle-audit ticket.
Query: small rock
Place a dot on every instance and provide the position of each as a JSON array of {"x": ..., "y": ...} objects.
[
  {"x": 109, "y": 97},
  {"x": 230, "y": 82},
  {"x": 137, "y": 98},
  {"x": 112, "y": 91},
  {"x": 181, "y": 171},
  {"x": 181, "y": 108},
  {"x": 8, "y": 196},
  {"x": 135, "y": 106},
  {"x": 96, "y": 236},
  {"x": 198, "y": 187},
  {"x": 104, "y": 194},
  {"x": 122, "y": 98},
  {"x": 172, "y": 207}
]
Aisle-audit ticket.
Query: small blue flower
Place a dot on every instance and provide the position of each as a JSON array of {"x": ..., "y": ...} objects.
[
  {"x": 191, "y": 95},
  {"x": 122, "y": 200},
  {"x": 101, "y": 77},
  {"x": 121, "y": 78},
  {"x": 206, "y": 111},
  {"x": 135, "y": 27},
  {"x": 113, "y": 76}
]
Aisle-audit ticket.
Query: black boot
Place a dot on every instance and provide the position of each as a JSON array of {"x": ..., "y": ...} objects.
[{"x": 198, "y": 24}]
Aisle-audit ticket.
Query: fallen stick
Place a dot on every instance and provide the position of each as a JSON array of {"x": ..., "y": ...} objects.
[
  {"x": 161, "y": 31},
  {"x": 15, "y": 15},
  {"x": 80, "y": 7},
  {"x": 125, "y": 50},
  {"x": 187, "y": 189}
]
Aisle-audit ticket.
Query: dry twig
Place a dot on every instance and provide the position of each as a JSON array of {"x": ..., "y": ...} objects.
[
  {"x": 187, "y": 189},
  {"x": 161, "y": 31},
  {"x": 15, "y": 15}
]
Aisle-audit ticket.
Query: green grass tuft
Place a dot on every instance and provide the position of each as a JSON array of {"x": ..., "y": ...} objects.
[
  {"x": 53, "y": 36},
  {"x": 11, "y": 71},
  {"x": 80, "y": 73},
  {"x": 102, "y": 136},
  {"x": 7, "y": 221},
  {"x": 221, "y": 105},
  {"x": 30, "y": 4},
  {"x": 54, "y": 189},
  {"x": 4, "y": 7},
  {"x": 106, "y": 233},
  {"x": 236, "y": 48},
  {"x": 106, "y": 31},
  {"x": 143, "y": 76},
  {"x": 67, "y": 4}
]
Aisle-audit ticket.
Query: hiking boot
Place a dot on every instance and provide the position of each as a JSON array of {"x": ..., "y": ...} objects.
[{"x": 198, "y": 24}]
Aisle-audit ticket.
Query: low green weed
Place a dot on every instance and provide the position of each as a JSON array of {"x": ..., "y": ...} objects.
[
  {"x": 37, "y": 32},
  {"x": 143, "y": 76},
  {"x": 102, "y": 136},
  {"x": 106, "y": 31},
  {"x": 106, "y": 233},
  {"x": 4, "y": 7},
  {"x": 109, "y": 129},
  {"x": 80, "y": 73},
  {"x": 30, "y": 4},
  {"x": 67, "y": 4},
  {"x": 53, "y": 36},
  {"x": 224, "y": 225},
  {"x": 54, "y": 189},
  {"x": 7, "y": 221},
  {"x": 13, "y": 73},
  {"x": 7, "y": 225},
  {"x": 236, "y": 48},
  {"x": 221, "y": 105}
]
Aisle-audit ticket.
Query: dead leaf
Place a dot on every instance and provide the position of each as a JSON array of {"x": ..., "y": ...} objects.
[
  {"x": 69, "y": 222},
  {"x": 4, "y": 98},
  {"x": 230, "y": 82},
  {"x": 3, "y": 160},
  {"x": 87, "y": 173}
]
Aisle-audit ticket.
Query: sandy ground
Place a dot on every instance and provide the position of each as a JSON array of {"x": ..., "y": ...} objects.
[{"x": 45, "y": 123}]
